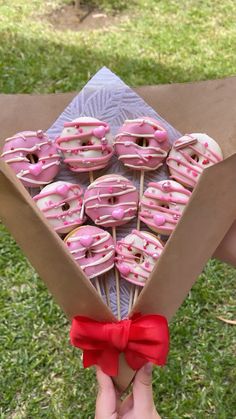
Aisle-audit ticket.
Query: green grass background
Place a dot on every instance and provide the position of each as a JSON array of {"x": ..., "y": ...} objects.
[{"x": 153, "y": 42}]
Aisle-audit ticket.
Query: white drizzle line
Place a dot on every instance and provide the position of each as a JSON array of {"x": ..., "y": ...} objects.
[{"x": 27, "y": 150}]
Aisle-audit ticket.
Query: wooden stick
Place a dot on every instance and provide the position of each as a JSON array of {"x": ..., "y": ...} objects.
[
  {"x": 91, "y": 177},
  {"x": 98, "y": 286},
  {"x": 136, "y": 293},
  {"x": 31, "y": 159},
  {"x": 141, "y": 187},
  {"x": 106, "y": 288},
  {"x": 131, "y": 297},
  {"x": 117, "y": 278}
]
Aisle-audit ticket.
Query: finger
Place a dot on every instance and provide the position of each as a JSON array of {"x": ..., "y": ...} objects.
[
  {"x": 142, "y": 388},
  {"x": 126, "y": 405},
  {"x": 106, "y": 404}
]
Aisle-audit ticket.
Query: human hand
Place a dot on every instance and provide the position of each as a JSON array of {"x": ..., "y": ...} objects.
[
  {"x": 226, "y": 251},
  {"x": 138, "y": 405}
]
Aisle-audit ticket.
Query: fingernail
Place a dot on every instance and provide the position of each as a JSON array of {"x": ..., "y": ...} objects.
[{"x": 148, "y": 368}]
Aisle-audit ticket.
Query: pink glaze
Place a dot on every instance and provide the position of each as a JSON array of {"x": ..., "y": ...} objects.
[
  {"x": 190, "y": 155},
  {"x": 45, "y": 164},
  {"x": 93, "y": 249},
  {"x": 111, "y": 200},
  {"x": 137, "y": 254},
  {"x": 85, "y": 145},
  {"x": 62, "y": 205},
  {"x": 162, "y": 205},
  {"x": 142, "y": 144}
]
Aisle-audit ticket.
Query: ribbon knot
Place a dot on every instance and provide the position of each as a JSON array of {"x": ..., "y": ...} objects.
[
  {"x": 142, "y": 338},
  {"x": 118, "y": 336}
]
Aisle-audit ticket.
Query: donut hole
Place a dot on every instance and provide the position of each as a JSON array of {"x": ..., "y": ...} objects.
[
  {"x": 32, "y": 158},
  {"x": 88, "y": 254},
  {"x": 138, "y": 258},
  {"x": 142, "y": 142},
  {"x": 112, "y": 200},
  {"x": 164, "y": 205},
  {"x": 65, "y": 206},
  {"x": 86, "y": 142},
  {"x": 195, "y": 157}
]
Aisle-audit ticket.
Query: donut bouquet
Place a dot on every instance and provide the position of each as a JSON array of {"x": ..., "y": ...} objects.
[
  {"x": 88, "y": 219},
  {"x": 108, "y": 184}
]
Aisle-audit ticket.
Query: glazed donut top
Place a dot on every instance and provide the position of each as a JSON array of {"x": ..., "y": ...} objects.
[
  {"x": 190, "y": 155},
  {"x": 32, "y": 156},
  {"x": 142, "y": 144},
  {"x": 162, "y": 205},
  {"x": 85, "y": 144},
  {"x": 137, "y": 254},
  {"x": 111, "y": 200},
  {"x": 61, "y": 203},
  {"x": 92, "y": 248}
]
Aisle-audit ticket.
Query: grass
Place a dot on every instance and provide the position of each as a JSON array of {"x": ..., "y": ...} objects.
[{"x": 154, "y": 42}]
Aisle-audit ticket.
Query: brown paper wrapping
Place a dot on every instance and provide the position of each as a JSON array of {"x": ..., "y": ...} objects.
[{"x": 193, "y": 107}]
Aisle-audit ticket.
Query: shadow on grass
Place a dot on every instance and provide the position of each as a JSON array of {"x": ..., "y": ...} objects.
[{"x": 34, "y": 65}]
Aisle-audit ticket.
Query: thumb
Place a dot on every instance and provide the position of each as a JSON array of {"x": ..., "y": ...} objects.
[
  {"x": 142, "y": 389},
  {"x": 106, "y": 404}
]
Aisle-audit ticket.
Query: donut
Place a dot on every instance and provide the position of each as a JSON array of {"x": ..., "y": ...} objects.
[
  {"x": 61, "y": 203},
  {"x": 33, "y": 157},
  {"x": 162, "y": 205},
  {"x": 111, "y": 200},
  {"x": 142, "y": 144},
  {"x": 190, "y": 155},
  {"x": 137, "y": 254},
  {"x": 92, "y": 248},
  {"x": 85, "y": 144}
]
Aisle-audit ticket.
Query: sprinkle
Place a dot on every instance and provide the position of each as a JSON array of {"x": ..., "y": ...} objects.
[
  {"x": 39, "y": 133},
  {"x": 206, "y": 161},
  {"x": 206, "y": 144},
  {"x": 98, "y": 237},
  {"x": 195, "y": 174}
]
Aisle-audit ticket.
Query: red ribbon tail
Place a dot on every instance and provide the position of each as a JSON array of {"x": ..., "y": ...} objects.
[{"x": 108, "y": 360}]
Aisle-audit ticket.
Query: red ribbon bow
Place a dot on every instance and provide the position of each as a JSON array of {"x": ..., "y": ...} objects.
[{"x": 142, "y": 338}]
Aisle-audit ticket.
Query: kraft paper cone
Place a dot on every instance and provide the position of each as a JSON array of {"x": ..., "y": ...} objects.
[{"x": 194, "y": 107}]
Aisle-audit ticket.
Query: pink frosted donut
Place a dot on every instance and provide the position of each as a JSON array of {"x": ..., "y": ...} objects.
[
  {"x": 137, "y": 254},
  {"x": 162, "y": 205},
  {"x": 61, "y": 203},
  {"x": 33, "y": 157},
  {"x": 85, "y": 144},
  {"x": 190, "y": 155},
  {"x": 142, "y": 144},
  {"x": 111, "y": 200},
  {"x": 92, "y": 248}
]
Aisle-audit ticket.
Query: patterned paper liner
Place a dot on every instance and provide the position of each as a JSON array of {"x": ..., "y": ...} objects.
[{"x": 109, "y": 99}]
